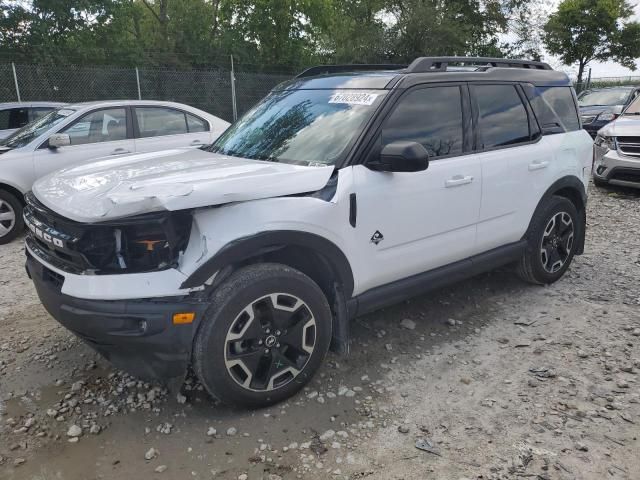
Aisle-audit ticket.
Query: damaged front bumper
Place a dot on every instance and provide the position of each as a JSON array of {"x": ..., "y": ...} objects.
[{"x": 136, "y": 335}]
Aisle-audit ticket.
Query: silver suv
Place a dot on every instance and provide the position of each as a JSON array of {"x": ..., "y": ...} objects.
[{"x": 617, "y": 150}]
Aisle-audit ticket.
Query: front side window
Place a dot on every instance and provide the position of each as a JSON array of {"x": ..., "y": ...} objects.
[
  {"x": 33, "y": 130},
  {"x": 502, "y": 117},
  {"x": 429, "y": 116},
  {"x": 106, "y": 125},
  {"x": 303, "y": 127}
]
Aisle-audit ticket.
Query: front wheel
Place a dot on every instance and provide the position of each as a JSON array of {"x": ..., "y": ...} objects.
[
  {"x": 552, "y": 239},
  {"x": 11, "y": 223},
  {"x": 264, "y": 336}
]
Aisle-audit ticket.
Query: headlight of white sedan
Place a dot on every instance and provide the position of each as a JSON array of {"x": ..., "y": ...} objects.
[{"x": 606, "y": 142}]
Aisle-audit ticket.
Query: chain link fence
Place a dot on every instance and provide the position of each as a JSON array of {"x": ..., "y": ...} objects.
[{"x": 209, "y": 90}]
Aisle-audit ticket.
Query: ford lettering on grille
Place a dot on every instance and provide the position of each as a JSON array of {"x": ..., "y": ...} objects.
[{"x": 45, "y": 233}]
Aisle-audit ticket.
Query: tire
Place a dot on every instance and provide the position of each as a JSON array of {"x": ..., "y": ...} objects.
[
  {"x": 600, "y": 183},
  {"x": 266, "y": 333},
  {"x": 551, "y": 247},
  {"x": 11, "y": 222}
]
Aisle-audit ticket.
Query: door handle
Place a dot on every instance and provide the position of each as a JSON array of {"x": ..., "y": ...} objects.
[
  {"x": 120, "y": 151},
  {"x": 196, "y": 143},
  {"x": 538, "y": 165},
  {"x": 458, "y": 180}
]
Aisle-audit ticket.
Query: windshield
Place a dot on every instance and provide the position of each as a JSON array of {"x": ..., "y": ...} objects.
[
  {"x": 33, "y": 130},
  {"x": 633, "y": 108},
  {"x": 304, "y": 127},
  {"x": 607, "y": 97}
]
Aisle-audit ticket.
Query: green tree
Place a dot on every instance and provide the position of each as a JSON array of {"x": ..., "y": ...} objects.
[{"x": 582, "y": 31}]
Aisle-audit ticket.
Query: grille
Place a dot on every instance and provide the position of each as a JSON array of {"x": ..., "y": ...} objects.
[
  {"x": 54, "y": 238},
  {"x": 629, "y": 145}
]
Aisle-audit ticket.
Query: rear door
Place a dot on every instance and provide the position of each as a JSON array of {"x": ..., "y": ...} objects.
[
  {"x": 98, "y": 133},
  {"x": 161, "y": 128},
  {"x": 515, "y": 163}
]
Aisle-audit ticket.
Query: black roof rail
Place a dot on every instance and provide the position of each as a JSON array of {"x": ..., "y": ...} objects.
[
  {"x": 325, "y": 69},
  {"x": 440, "y": 64}
]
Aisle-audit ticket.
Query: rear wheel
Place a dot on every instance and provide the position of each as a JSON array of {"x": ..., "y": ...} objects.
[
  {"x": 11, "y": 222},
  {"x": 552, "y": 242},
  {"x": 265, "y": 335}
]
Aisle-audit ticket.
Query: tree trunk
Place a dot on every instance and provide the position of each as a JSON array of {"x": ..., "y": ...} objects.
[{"x": 581, "y": 67}]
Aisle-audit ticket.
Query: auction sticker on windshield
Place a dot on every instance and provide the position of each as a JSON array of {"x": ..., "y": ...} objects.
[{"x": 351, "y": 98}]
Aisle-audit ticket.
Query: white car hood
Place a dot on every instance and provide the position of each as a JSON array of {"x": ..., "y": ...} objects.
[
  {"x": 624, "y": 126},
  {"x": 169, "y": 180}
]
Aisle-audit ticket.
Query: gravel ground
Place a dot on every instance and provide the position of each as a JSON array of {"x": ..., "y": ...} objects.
[{"x": 492, "y": 378}]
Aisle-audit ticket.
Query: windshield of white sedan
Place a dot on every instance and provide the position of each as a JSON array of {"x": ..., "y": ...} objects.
[
  {"x": 303, "y": 127},
  {"x": 33, "y": 130}
]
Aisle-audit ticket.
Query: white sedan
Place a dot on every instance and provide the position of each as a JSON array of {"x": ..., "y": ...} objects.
[{"x": 83, "y": 132}]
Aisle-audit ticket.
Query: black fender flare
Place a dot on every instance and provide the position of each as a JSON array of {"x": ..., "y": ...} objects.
[
  {"x": 569, "y": 182},
  {"x": 254, "y": 245}
]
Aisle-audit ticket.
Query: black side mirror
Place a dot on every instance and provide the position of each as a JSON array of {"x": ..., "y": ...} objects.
[{"x": 401, "y": 157}]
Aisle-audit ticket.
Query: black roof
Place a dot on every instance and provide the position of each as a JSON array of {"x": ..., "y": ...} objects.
[{"x": 427, "y": 70}]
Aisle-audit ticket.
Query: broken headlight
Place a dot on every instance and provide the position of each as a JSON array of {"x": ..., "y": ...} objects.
[{"x": 138, "y": 244}]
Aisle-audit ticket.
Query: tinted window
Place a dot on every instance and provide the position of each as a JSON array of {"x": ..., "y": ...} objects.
[
  {"x": 502, "y": 117},
  {"x": 430, "y": 116},
  {"x": 554, "y": 106},
  {"x": 13, "y": 118},
  {"x": 195, "y": 124},
  {"x": 100, "y": 126},
  {"x": 157, "y": 121}
]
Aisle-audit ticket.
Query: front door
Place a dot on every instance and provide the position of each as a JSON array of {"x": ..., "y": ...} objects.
[
  {"x": 100, "y": 133},
  {"x": 408, "y": 223}
]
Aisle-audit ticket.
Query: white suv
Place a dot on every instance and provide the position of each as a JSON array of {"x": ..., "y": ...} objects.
[{"x": 345, "y": 189}]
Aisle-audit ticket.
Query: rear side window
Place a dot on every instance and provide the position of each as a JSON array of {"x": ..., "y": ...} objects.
[
  {"x": 430, "y": 116},
  {"x": 13, "y": 118},
  {"x": 195, "y": 124},
  {"x": 159, "y": 121},
  {"x": 502, "y": 117},
  {"x": 555, "y": 107}
]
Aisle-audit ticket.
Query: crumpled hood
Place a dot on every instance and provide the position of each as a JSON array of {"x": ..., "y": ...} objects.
[
  {"x": 624, "y": 126},
  {"x": 169, "y": 180}
]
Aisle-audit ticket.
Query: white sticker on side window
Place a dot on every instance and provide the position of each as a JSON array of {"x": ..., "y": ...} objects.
[{"x": 353, "y": 98}]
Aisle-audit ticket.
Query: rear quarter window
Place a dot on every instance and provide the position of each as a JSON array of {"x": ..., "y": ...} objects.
[{"x": 555, "y": 107}]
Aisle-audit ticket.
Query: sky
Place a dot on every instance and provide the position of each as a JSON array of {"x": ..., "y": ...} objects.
[{"x": 598, "y": 69}]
